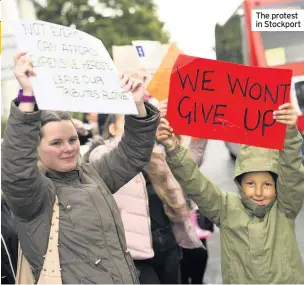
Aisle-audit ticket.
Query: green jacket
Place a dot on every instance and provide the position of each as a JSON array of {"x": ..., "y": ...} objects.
[
  {"x": 253, "y": 249},
  {"x": 92, "y": 245}
]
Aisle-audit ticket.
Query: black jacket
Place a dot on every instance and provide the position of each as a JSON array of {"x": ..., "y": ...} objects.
[{"x": 9, "y": 245}]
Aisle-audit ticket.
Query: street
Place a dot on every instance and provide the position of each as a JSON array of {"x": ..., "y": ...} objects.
[{"x": 219, "y": 167}]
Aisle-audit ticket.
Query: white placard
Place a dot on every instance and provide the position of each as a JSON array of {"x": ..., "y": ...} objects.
[
  {"x": 125, "y": 59},
  {"x": 74, "y": 70},
  {"x": 150, "y": 55}
]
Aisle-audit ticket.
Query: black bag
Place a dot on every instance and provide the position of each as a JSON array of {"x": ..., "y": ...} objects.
[
  {"x": 163, "y": 239},
  {"x": 204, "y": 223}
]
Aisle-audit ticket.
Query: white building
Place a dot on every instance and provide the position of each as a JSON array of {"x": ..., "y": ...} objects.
[{"x": 12, "y": 10}]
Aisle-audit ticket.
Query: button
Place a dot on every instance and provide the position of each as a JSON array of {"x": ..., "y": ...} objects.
[{"x": 69, "y": 207}]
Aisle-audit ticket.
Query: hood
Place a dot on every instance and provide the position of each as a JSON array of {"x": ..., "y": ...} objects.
[{"x": 253, "y": 159}]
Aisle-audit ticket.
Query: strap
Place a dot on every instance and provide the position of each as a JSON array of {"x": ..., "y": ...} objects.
[{"x": 51, "y": 273}]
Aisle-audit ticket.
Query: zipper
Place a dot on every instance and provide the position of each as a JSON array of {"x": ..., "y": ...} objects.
[
  {"x": 133, "y": 269},
  {"x": 124, "y": 250},
  {"x": 103, "y": 233}
]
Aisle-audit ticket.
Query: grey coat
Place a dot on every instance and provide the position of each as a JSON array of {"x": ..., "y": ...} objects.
[{"x": 92, "y": 246}]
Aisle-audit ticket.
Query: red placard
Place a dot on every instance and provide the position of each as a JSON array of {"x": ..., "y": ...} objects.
[{"x": 225, "y": 101}]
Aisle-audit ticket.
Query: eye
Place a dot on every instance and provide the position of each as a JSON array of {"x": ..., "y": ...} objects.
[
  {"x": 73, "y": 139},
  {"x": 267, "y": 184},
  {"x": 250, "y": 183},
  {"x": 56, "y": 143}
]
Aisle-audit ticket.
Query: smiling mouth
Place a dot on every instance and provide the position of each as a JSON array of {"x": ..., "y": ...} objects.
[
  {"x": 68, "y": 158},
  {"x": 259, "y": 202}
]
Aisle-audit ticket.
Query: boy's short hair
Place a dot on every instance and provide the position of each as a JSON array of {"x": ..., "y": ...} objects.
[
  {"x": 274, "y": 177},
  {"x": 255, "y": 159}
]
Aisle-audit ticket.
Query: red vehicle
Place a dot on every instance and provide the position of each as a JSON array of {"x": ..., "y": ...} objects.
[{"x": 276, "y": 49}]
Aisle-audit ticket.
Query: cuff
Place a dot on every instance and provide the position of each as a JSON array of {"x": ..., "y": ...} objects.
[
  {"x": 175, "y": 151},
  {"x": 151, "y": 110},
  {"x": 143, "y": 124},
  {"x": 292, "y": 133},
  {"x": 17, "y": 114}
]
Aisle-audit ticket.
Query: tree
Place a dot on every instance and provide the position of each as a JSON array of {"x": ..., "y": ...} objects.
[{"x": 115, "y": 22}]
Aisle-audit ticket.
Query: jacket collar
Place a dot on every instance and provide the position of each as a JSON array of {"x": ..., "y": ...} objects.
[
  {"x": 254, "y": 209},
  {"x": 64, "y": 177}
]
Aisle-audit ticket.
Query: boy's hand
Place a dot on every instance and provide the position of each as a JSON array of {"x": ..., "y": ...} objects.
[
  {"x": 165, "y": 135},
  {"x": 286, "y": 114}
]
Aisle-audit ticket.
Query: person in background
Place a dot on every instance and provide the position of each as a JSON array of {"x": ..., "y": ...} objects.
[
  {"x": 84, "y": 134},
  {"x": 194, "y": 260},
  {"x": 9, "y": 244},
  {"x": 101, "y": 119},
  {"x": 148, "y": 229},
  {"x": 90, "y": 121}
]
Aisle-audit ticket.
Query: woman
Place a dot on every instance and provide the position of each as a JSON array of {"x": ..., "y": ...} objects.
[{"x": 92, "y": 247}]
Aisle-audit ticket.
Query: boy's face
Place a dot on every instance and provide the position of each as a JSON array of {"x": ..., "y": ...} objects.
[{"x": 259, "y": 187}]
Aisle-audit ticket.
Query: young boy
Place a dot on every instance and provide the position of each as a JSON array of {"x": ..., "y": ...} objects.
[{"x": 258, "y": 242}]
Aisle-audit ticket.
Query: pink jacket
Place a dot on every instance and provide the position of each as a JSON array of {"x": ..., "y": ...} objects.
[{"x": 132, "y": 201}]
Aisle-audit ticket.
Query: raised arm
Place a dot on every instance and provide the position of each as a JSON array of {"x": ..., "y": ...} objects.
[
  {"x": 133, "y": 152},
  {"x": 208, "y": 197},
  {"x": 22, "y": 183},
  {"x": 290, "y": 185}
]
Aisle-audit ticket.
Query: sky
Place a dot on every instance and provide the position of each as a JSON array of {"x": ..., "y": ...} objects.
[{"x": 191, "y": 23}]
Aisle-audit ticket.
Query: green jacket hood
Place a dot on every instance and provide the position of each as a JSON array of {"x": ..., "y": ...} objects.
[{"x": 253, "y": 159}]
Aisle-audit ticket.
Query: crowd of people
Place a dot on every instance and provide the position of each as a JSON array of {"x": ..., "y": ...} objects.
[{"x": 123, "y": 200}]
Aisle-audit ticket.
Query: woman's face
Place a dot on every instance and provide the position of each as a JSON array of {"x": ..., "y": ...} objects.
[
  {"x": 117, "y": 129},
  {"x": 59, "y": 147},
  {"x": 259, "y": 187}
]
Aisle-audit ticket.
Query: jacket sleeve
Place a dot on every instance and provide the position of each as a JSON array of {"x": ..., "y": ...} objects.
[
  {"x": 23, "y": 185},
  {"x": 208, "y": 197},
  {"x": 132, "y": 154},
  {"x": 197, "y": 149},
  {"x": 290, "y": 185}
]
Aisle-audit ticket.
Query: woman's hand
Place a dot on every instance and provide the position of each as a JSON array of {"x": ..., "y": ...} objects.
[
  {"x": 137, "y": 87},
  {"x": 165, "y": 135},
  {"x": 162, "y": 108},
  {"x": 286, "y": 114},
  {"x": 23, "y": 70}
]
